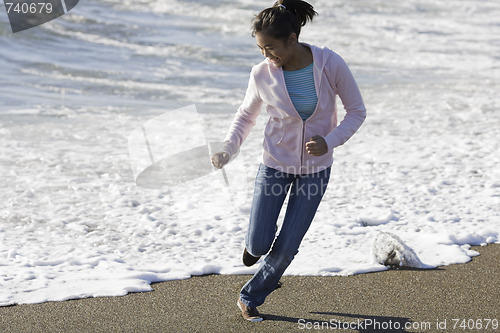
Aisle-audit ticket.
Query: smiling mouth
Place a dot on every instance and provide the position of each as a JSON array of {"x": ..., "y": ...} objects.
[{"x": 273, "y": 60}]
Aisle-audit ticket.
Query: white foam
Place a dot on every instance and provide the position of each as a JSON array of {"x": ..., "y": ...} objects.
[{"x": 389, "y": 250}]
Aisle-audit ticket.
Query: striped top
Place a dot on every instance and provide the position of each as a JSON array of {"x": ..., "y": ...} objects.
[{"x": 300, "y": 86}]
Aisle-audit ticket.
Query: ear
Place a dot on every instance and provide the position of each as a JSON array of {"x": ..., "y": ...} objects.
[{"x": 292, "y": 39}]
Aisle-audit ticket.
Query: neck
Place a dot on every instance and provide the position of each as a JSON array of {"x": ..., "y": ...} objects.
[{"x": 302, "y": 57}]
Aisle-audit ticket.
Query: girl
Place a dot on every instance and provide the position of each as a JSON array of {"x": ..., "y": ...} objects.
[{"x": 298, "y": 83}]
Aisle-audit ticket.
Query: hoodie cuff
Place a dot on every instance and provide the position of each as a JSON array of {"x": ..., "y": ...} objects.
[
  {"x": 332, "y": 140},
  {"x": 229, "y": 148}
]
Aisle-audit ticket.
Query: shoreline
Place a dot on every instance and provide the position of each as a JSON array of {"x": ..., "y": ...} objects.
[{"x": 390, "y": 299}]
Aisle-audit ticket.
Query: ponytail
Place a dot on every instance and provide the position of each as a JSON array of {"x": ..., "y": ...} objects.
[{"x": 283, "y": 18}]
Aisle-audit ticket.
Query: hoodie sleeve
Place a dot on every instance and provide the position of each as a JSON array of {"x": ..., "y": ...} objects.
[
  {"x": 342, "y": 80},
  {"x": 245, "y": 118}
]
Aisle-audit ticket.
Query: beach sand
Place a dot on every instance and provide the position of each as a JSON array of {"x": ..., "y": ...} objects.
[{"x": 425, "y": 300}]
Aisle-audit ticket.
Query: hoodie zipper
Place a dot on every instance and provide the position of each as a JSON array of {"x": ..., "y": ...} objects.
[{"x": 303, "y": 147}]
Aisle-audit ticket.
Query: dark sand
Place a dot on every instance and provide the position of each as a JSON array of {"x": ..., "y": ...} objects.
[{"x": 394, "y": 298}]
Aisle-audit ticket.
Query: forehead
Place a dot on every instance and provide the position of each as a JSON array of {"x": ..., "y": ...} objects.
[{"x": 265, "y": 40}]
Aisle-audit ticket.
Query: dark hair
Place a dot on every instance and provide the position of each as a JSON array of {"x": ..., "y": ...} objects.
[{"x": 283, "y": 18}]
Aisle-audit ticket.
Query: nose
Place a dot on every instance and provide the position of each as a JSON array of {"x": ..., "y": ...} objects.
[{"x": 265, "y": 53}]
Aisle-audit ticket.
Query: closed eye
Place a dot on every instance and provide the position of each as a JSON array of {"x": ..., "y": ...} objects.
[{"x": 268, "y": 48}]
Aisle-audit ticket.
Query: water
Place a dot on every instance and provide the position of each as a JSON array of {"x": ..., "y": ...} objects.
[{"x": 74, "y": 224}]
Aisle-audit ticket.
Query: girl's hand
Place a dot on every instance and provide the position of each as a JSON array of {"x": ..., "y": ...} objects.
[
  {"x": 220, "y": 159},
  {"x": 317, "y": 146}
]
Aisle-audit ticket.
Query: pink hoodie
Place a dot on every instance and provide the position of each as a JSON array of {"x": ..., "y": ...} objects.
[{"x": 286, "y": 133}]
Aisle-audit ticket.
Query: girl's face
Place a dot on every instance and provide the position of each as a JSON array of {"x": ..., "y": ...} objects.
[{"x": 277, "y": 51}]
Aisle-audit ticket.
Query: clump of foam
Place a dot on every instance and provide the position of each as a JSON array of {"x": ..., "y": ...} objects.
[{"x": 389, "y": 250}]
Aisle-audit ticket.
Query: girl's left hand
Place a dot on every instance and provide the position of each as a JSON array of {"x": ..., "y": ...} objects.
[{"x": 317, "y": 146}]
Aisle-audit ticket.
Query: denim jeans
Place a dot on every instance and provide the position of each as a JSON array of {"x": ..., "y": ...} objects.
[{"x": 271, "y": 188}]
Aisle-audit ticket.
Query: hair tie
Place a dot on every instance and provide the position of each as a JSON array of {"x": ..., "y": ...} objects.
[{"x": 280, "y": 5}]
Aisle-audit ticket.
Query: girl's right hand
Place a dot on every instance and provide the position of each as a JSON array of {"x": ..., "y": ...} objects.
[{"x": 220, "y": 159}]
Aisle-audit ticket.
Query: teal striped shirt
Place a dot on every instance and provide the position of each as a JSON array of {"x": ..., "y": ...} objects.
[{"x": 300, "y": 86}]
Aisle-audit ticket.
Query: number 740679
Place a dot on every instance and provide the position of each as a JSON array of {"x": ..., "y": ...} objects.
[
  {"x": 475, "y": 324},
  {"x": 29, "y": 8}
]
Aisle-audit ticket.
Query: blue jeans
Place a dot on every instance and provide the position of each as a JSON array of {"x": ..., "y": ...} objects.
[{"x": 271, "y": 188}]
